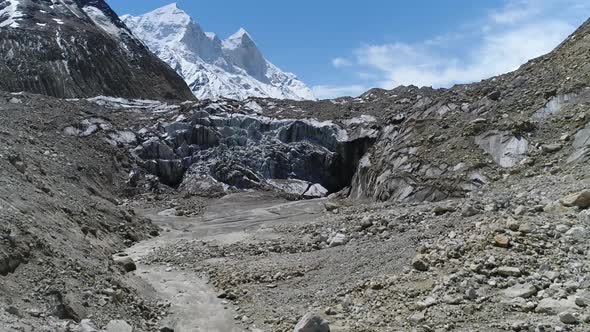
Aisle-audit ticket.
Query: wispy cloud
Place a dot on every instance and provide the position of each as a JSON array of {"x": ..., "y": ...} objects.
[
  {"x": 516, "y": 12},
  {"x": 498, "y": 43},
  {"x": 333, "y": 91},
  {"x": 341, "y": 62}
]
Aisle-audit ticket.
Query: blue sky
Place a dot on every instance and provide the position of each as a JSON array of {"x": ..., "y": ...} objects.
[{"x": 346, "y": 47}]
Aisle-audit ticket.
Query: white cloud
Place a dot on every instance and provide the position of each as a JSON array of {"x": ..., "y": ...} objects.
[
  {"x": 424, "y": 65},
  {"x": 492, "y": 45},
  {"x": 516, "y": 11},
  {"x": 334, "y": 91},
  {"x": 341, "y": 62}
]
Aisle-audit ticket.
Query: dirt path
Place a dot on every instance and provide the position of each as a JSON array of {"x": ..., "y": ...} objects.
[{"x": 233, "y": 218}]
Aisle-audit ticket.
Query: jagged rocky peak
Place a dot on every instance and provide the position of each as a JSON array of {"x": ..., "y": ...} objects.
[
  {"x": 213, "y": 68},
  {"x": 80, "y": 48},
  {"x": 244, "y": 53},
  {"x": 239, "y": 39}
]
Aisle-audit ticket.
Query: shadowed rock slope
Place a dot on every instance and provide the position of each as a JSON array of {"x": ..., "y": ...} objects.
[
  {"x": 72, "y": 49},
  {"x": 442, "y": 143},
  {"x": 60, "y": 219}
]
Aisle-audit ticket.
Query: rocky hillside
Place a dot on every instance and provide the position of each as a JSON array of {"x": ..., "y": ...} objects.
[
  {"x": 61, "y": 219},
  {"x": 72, "y": 49},
  {"x": 437, "y": 144},
  {"x": 213, "y": 68}
]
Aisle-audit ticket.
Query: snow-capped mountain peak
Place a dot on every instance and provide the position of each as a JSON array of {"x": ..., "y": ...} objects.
[
  {"x": 163, "y": 25},
  {"x": 213, "y": 68},
  {"x": 171, "y": 14},
  {"x": 238, "y": 39},
  {"x": 169, "y": 8}
]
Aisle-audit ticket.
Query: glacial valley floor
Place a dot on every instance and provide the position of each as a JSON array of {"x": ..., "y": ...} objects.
[{"x": 507, "y": 258}]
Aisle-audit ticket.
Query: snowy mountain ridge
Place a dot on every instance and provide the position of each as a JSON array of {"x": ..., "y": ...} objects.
[{"x": 213, "y": 68}]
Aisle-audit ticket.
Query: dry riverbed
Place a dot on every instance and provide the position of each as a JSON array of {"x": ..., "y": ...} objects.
[
  {"x": 194, "y": 304},
  {"x": 499, "y": 260}
]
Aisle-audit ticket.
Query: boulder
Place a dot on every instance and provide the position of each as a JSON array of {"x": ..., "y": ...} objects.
[
  {"x": 502, "y": 241},
  {"x": 419, "y": 263},
  {"x": 366, "y": 222},
  {"x": 331, "y": 206},
  {"x": 554, "y": 307},
  {"x": 556, "y": 207},
  {"x": 441, "y": 210},
  {"x": 312, "y": 323},
  {"x": 568, "y": 318},
  {"x": 469, "y": 211},
  {"x": 495, "y": 95},
  {"x": 417, "y": 318},
  {"x": 507, "y": 271},
  {"x": 68, "y": 306},
  {"x": 126, "y": 263},
  {"x": 579, "y": 234},
  {"x": 520, "y": 290},
  {"x": 13, "y": 311},
  {"x": 428, "y": 302},
  {"x": 338, "y": 240},
  {"x": 520, "y": 210},
  {"x": 551, "y": 148},
  {"x": 581, "y": 200}
]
